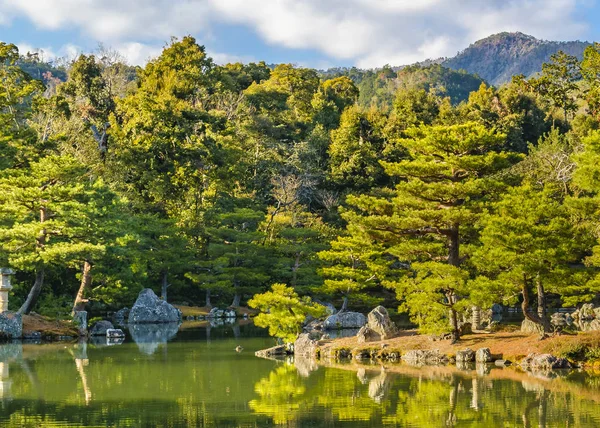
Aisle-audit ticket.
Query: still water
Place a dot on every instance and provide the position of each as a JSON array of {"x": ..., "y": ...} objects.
[{"x": 198, "y": 379}]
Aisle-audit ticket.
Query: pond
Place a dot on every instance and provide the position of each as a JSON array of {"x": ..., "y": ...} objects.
[{"x": 198, "y": 379}]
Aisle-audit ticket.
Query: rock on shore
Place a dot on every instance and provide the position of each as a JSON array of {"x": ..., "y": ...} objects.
[
  {"x": 149, "y": 309},
  {"x": 345, "y": 320}
]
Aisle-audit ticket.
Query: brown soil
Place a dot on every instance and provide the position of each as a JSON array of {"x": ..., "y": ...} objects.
[
  {"x": 509, "y": 345},
  {"x": 48, "y": 327}
]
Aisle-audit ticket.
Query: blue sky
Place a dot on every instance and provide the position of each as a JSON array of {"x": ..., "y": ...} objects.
[{"x": 316, "y": 33}]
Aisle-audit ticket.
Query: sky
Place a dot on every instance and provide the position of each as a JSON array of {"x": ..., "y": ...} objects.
[{"x": 313, "y": 33}]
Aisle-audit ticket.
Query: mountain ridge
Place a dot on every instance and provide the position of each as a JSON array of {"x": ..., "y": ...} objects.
[{"x": 500, "y": 56}]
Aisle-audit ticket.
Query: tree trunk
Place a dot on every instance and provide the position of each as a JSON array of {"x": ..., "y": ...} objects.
[
  {"x": 208, "y": 304},
  {"x": 34, "y": 293},
  {"x": 344, "y": 307},
  {"x": 86, "y": 284},
  {"x": 236, "y": 300},
  {"x": 165, "y": 285},
  {"x": 454, "y": 247},
  {"x": 541, "y": 298},
  {"x": 530, "y": 316},
  {"x": 454, "y": 260},
  {"x": 454, "y": 323}
]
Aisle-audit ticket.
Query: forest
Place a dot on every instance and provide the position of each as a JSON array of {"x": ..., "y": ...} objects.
[{"x": 285, "y": 187}]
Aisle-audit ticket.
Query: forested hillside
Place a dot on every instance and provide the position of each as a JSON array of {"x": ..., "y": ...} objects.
[
  {"x": 499, "y": 57},
  {"x": 213, "y": 184}
]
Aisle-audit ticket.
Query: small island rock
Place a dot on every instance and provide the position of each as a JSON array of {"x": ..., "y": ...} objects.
[{"x": 149, "y": 309}]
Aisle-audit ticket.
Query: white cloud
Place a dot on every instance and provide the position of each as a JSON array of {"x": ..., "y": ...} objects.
[{"x": 365, "y": 32}]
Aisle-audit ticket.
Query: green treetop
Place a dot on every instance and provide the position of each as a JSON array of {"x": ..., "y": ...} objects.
[{"x": 431, "y": 213}]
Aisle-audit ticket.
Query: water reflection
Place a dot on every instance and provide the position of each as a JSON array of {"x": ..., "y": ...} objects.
[
  {"x": 206, "y": 383},
  {"x": 149, "y": 337}
]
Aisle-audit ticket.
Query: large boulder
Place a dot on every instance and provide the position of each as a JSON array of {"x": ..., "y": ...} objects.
[
  {"x": 530, "y": 327},
  {"x": 365, "y": 334},
  {"x": 120, "y": 317},
  {"x": 345, "y": 320},
  {"x": 100, "y": 328},
  {"x": 11, "y": 325},
  {"x": 149, "y": 309},
  {"x": 379, "y": 321},
  {"x": 465, "y": 356},
  {"x": 483, "y": 355},
  {"x": 305, "y": 346}
]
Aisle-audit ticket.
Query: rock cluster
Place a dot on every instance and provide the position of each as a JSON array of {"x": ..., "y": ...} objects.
[
  {"x": 221, "y": 313},
  {"x": 379, "y": 326},
  {"x": 344, "y": 320},
  {"x": 424, "y": 357},
  {"x": 149, "y": 309},
  {"x": 544, "y": 362},
  {"x": 587, "y": 318}
]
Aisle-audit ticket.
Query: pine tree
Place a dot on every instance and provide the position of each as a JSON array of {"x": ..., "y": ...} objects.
[{"x": 430, "y": 215}]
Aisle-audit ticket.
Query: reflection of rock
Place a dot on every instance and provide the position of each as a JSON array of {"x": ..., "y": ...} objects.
[
  {"x": 464, "y": 366},
  {"x": 100, "y": 328},
  {"x": 345, "y": 320},
  {"x": 149, "y": 309},
  {"x": 98, "y": 341},
  {"x": 379, "y": 387},
  {"x": 483, "y": 369},
  {"x": 305, "y": 366},
  {"x": 362, "y": 376},
  {"x": 113, "y": 333},
  {"x": 149, "y": 336},
  {"x": 11, "y": 351},
  {"x": 111, "y": 341},
  {"x": 80, "y": 350}
]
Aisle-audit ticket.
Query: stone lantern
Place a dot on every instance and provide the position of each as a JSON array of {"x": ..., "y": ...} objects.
[{"x": 5, "y": 287}]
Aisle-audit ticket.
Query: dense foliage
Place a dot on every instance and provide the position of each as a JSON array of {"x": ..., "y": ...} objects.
[{"x": 220, "y": 182}]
